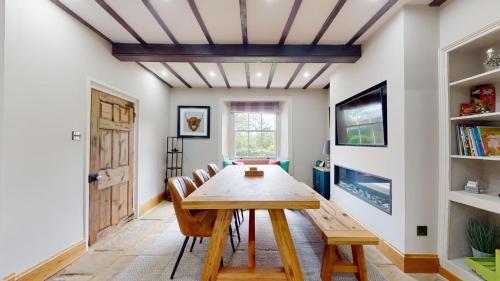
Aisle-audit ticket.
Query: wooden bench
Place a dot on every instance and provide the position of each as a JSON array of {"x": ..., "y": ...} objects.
[{"x": 339, "y": 228}]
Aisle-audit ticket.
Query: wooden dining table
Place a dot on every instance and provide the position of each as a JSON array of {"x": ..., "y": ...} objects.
[{"x": 230, "y": 189}]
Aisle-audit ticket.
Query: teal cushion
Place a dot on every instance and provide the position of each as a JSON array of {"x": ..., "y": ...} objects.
[
  {"x": 226, "y": 163},
  {"x": 285, "y": 164}
]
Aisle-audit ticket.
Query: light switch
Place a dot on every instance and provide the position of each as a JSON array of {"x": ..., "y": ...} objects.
[{"x": 76, "y": 135}]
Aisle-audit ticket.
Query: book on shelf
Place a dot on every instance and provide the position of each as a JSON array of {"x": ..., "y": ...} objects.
[{"x": 477, "y": 140}]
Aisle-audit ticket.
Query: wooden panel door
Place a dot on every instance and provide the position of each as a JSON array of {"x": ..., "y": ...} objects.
[{"x": 111, "y": 164}]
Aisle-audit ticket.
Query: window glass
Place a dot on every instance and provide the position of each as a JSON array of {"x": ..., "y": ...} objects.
[{"x": 255, "y": 134}]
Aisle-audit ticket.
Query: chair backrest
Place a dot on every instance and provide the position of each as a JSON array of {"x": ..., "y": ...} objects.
[
  {"x": 212, "y": 169},
  {"x": 180, "y": 188},
  {"x": 200, "y": 176}
]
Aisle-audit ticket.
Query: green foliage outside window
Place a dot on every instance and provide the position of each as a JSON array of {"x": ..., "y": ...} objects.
[{"x": 255, "y": 134}]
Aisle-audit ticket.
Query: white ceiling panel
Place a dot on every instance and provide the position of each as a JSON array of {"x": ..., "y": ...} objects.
[
  {"x": 351, "y": 18},
  {"x": 235, "y": 73},
  {"x": 267, "y": 19},
  {"x": 324, "y": 78},
  {"x": 282, "y": 74},
  {"x": 140, "y": 19},
  {"x": 211, "y": 72},
  {"x": 310, "y": 18},
  {"x": 222, "y": 18},
  {"x": 96, "y": 16},
  {"x": 179, "y": 18},
  {"x": 186, "y": 71},
  {"x": 259, "y": 74},
  {"x": 305, "y": 74},
  {"x": 161, "y": 71}
]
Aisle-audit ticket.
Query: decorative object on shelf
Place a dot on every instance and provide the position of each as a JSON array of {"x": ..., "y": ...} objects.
[
  {"x": 483, "y": 99},
  {"x": 193, "y": 121},
  {"x": 492, "y": 60},
  {"x": 486, "y": 267},
  {"x": 254, "y": 172},
  {"x": 474, "y": 187},
  {"x": 482, "y": 237},
  {"x": 319, "y": 163},
  {"x": 326, "y": 151}
]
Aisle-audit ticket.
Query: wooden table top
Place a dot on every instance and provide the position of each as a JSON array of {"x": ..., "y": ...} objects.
[{"x": 230, "y": 189}]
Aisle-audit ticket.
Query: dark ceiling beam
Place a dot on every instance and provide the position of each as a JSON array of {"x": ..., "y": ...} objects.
[
  {"x": 200, "y": 74},
  {"x": 436, "y": 3},
  {"x": 223, "y": 73},
  {"x": 247, "y": 74},
  {"x": 328, "y": 21},
  {"x": 271, "y": 75},
  {"x": 154, "y": 74},
  {"x": 198, "y": 17},
  {"x": 121, "y": 21},
  {"x": 79, "y": 19},
  {"x": 289, "y": 22},
  {"x": 318, "y": 74},
  {"x": 253, "y": 53},
  {"x": 327, "y": 86},
  {"x": 176, "y": 74},
  {"x": 243, "y": 18},
  {"x": 294, "y": 75},
  {"x": 372, "y": 21},
  {"x": 160, "y": 21}
]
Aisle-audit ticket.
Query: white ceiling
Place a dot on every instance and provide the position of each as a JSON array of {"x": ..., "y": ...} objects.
[{"x": 266, "y": 22}]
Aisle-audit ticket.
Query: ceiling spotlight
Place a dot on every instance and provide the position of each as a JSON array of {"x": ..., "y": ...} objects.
[
  {"x": 163, "y": 73},
  {"x": 307, "y": 74},
  {"x": 212, "y": 74},
  {"x": 259, "y": 74}
]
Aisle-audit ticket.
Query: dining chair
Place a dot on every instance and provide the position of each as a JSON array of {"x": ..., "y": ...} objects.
[
  {"x": 194, "y": 224},
  {"x": 200, "y": 176},
  {"x": 212, "y": 169}
]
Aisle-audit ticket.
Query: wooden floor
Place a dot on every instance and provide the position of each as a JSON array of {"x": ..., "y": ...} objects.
[{"x": 110, "y": 256}]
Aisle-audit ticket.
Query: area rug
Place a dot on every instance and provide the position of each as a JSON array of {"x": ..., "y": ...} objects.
[{"x": 157, "y": 261}]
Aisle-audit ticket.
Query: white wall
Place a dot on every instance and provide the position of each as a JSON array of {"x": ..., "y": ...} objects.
[
  {"x": 403, "y": 52},
  {"x": 382, "y": 59},
  {"x": 459, "y": 18},
  {"x": 49, "y": 59},
  {"x": 309, "y": 120},
  {"x": 421, "y": 127},
  {"x": 2, "y": 198}
]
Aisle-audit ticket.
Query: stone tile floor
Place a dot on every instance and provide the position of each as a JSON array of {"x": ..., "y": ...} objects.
[{"x": 109, "y": 257}]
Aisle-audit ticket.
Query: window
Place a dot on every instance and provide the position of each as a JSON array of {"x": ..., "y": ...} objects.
[{"x": 254, "y": 134}]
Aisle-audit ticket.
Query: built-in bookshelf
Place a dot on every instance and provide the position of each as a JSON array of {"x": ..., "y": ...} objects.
[{"x": 461, "y": 69}]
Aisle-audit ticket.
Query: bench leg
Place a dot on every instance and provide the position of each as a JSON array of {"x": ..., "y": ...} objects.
[
  {"x": 327, "y": 263},
  {"x": 358, "y": 258}
]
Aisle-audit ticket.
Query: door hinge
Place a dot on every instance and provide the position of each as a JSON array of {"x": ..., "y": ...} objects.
[{"x": 94, "y": 177}]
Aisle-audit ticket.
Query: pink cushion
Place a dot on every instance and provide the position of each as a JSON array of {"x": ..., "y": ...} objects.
[
  {"x": 274, "y": 162},
  {"x": 238, "y": 163}
]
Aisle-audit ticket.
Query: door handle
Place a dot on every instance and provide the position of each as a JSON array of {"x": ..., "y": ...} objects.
[{"x": 94, "y": 178}]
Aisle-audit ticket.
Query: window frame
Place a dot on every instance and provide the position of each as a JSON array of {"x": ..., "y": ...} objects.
[{"x": 234, "y": 132}]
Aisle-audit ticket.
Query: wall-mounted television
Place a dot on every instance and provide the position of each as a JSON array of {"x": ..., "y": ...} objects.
[{"x": 361, "y": 120}]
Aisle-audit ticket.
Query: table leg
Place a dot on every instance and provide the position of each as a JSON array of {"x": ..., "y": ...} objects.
[
  {"x": 285, "y": 245},
  {"x": 251, "y": 238},
  {"x": 216, "y": 247}
]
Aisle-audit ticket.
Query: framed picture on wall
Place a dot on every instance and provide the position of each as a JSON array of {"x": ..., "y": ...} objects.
[{"x": 193, "y": 121}]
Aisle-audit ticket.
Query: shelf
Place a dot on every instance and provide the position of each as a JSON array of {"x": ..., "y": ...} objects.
[
  {"x": 487, "y": 158},
  {"x": 487, "y": 202},
  {"x": 462, "y": 270},
  {"x": 489, "y": 77},
  {"x": 493, "y": 116}
]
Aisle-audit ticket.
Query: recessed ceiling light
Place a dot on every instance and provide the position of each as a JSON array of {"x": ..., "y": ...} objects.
[
  {"x": 259, "y": 74},
  {"x": 163, "y": 73},
  {"x": 212, "y": 74},
  {"x": 307, "y": 74}
]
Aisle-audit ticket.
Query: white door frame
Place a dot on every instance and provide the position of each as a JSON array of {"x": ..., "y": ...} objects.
[{"x": 98, "y": 85}]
